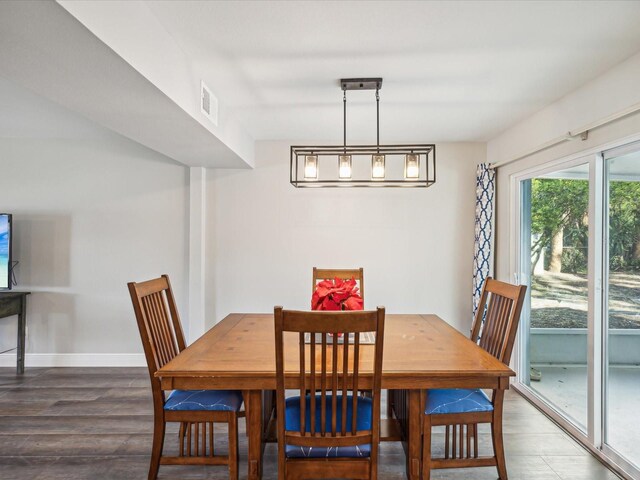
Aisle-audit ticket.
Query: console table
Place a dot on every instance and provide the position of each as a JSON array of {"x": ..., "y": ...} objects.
[{"x": 15, "y": 303}]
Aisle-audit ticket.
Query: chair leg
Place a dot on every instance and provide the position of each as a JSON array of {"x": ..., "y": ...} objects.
[
  {"x": 282, "y": 474},
  {"x": 426, "y": 447},
  {"x": 496, "y": 434},
  {"x": 158, "y": 442},
  {"x": 498, "y": 445},
  {"x": 373, "y": 464},
  {"x": 233, "y": 446},
  {"x": 245, "y": 395}
]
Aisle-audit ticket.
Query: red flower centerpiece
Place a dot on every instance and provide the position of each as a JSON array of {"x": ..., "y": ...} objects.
[{"x": 337, "y": 294}]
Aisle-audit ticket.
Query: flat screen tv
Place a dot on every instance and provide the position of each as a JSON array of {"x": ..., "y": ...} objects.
[{"x": 5, "y": 251}]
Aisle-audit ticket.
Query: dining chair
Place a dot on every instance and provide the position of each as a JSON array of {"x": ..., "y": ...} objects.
[
  {"x": 320, "y": 274},
  {"x": 328, "y": 430},
  {"x": 195, "y": 410},
  {"x": 461, "y": 410}
]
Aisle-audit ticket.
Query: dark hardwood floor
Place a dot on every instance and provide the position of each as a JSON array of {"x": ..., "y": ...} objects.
[{"x": 96, "y": 423}]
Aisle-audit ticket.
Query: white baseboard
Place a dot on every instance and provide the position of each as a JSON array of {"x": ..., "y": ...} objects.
[{"x": 76, "y": 360}]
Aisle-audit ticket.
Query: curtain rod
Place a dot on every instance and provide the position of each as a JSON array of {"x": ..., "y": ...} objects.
[{"x": 581, "y": 133}]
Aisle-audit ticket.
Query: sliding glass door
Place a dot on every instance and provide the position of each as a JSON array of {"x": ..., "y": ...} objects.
[
  {"x": 622, "y": 320},
  {"x": 578, "y": 244}
]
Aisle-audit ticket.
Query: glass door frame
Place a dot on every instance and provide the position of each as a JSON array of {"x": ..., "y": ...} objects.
[{"x": 597, "y": 274}]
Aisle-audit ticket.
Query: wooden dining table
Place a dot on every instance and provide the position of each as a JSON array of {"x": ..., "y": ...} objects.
[{"x": 420, "y": 352}]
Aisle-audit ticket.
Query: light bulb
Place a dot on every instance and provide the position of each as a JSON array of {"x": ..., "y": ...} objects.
[
  {"x": 377, "y": 167},
  {"x": 344, "y": 167},
  {"x": 311, "y": 167},
  {"x": 412, "y": 166}
]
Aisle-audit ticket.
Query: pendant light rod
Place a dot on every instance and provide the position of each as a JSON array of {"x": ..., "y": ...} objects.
[
  {"x": 374, "y": 83},
  {"x": 378, "y": 118},
  {"x": 344, "y": 119}
]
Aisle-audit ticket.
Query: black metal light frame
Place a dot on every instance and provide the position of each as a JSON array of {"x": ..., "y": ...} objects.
[{"x": 426, "y": 152}]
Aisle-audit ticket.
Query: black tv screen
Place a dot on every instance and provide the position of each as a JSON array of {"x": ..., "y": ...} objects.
[{"x": 5, "y": 251}]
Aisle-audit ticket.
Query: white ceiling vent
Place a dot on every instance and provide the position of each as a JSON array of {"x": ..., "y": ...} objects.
[{"x": 208, "y": 104}]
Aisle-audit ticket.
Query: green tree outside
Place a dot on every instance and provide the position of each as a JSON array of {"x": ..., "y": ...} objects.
[{"x": 560, "y": 224}]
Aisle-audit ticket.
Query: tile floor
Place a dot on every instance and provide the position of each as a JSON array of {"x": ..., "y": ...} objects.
[{"x": 565, "y": 386}]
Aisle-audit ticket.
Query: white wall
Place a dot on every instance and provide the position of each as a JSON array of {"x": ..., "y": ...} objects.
[
  {"x": 416, "y": 245},
  {"x": 612, "y": 92},
  {"x": 92, "y": 211}
]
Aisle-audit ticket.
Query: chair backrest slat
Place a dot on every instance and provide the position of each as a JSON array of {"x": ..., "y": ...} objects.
[
  {"x": 303, "y": 388},
  {"x": 323, "y": 394},
  {"x": 489, "y": 338},
  {"x": 345, "y": 372},
  {"x": 312, "y": 381},
  {"x": 506, "y": 304},
  {"x": 497, "y": 318},
  {"x": 334, "y": 384},
  {"x": 339, "y": 364},
  {"x": 354, "y": 387}
]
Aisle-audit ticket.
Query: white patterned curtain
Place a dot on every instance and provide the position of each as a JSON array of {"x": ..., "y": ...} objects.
[{"x": 483, "y": 247}]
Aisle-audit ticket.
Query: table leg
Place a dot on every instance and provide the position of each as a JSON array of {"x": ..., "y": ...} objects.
[
  {"x": 414, "y": 440},
  {"x": 253, "y": 405},
  {"x": 22, "y": 317}
]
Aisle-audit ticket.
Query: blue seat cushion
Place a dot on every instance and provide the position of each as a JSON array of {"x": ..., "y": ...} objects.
[
  {"x": 226, "y": 400},
  {"x": 292, "y": 423},
  {"x": 457, "y": 400}
]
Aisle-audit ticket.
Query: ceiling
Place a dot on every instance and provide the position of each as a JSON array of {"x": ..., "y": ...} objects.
[{"x": 453, "y": 71}]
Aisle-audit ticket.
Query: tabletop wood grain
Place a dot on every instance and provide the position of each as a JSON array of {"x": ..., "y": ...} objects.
[{"x": 421, "y": 351}]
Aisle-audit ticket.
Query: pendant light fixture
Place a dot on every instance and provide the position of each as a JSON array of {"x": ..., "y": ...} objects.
[{"x": 386, "y": 160}]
